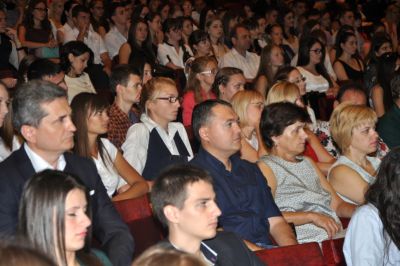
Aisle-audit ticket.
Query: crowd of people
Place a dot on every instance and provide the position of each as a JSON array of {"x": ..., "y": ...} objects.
[{"x": 270, "y": 123}]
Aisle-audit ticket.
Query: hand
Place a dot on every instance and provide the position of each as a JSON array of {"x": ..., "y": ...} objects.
[
  {"x": 325, "y": 222},
  {"x": 12, "y": 33},
  {"x": 52, "y": 43}
]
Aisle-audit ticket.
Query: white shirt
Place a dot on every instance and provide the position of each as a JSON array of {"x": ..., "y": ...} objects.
[
  {"x": 5, "y": 152},
  {"x": 327, "y": 65},
  {"x": 78, "y": 85},
  {"x": 248, "y": 64},
  {"x": 93, "y": 40},
  {"x": 40, "y": 164},
  {"x": 108, "y": 174},
  {"x": 114, "y": 39},
  {"x": 313, "y": 82},
  {"x": 365, "y": 243},
  {"x": 167, "y": 54},
  {"x": 137, "y": 141}
]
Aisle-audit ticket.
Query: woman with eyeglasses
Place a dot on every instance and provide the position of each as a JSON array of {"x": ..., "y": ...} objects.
[
  {"x": 248, "y": 105},
  {"x": 348, "y": 64},
  {"x": 157, "y": 142},
  {"x": 97, "y": 18},
  {"x": 319, "y": 84},
  {"x": 198, "y": 88},
  {"x": 35, "y": 32},
  {"x": 89, "y": 115}
]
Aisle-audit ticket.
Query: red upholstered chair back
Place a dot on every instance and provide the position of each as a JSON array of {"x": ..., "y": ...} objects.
[
  {"x": 145, "y": 229},
  {"x": 303, "y": 254},
  {"x": 333, "y": 252}
]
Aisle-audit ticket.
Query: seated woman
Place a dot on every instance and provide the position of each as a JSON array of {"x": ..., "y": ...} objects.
[
  {"x": 285, "y": 91},
  {"x": 353, "y": 129},
  {"x": 198, "y": 87},
  {"x": 300, "y": 189},
  {"x": 89, "y": 115},
  {"x": 248, "y": 105},
  {"x": 227, "y": 82},
  {"x": 74, "y": 57},
  {"x": 157, "y": 142},
  {"x": 54, "y": 216},
  {"x": 216, "y": 33},
  {"x": 372, "y": 237}
]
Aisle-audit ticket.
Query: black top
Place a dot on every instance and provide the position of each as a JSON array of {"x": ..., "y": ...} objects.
[
  {"x": 353, "y": 74},
  {"x": 6, "y": 69}
]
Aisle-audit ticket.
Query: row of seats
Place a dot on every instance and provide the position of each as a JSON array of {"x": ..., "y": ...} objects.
[{"x": 147, "y": 231}]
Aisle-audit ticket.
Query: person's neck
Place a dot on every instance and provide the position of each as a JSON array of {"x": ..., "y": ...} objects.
[
  {"x": 241, "y": 51},
  {"x": 311, "y": 67},
  {"x": 123, "y": 105},
  {"x": 248, "y": 132},
  {"x": 357, "y": 157},
  {"x": 71, "y": 258},
  {"x": 122, "y": 28},
  {"x": 221, "y": 156},
  {"x": 214, "y": 40},
  {"x": 283, "y": 155},
  {"x": 185, "y": 243},
  {"x": 163, "y": 124},
  {"x": 92, "y": 144},
  {"x": 49, "y": 157},
  {"x": 37, "y": 23},
  {"x": 72, "y": 74},
  {"x": 174, "y": 43},
  {"x": 205, "y": 87},
  {"x": 345, "y": 57}
]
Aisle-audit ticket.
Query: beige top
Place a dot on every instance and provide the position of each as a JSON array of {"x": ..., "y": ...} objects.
[{"x": 78, "y": 85}]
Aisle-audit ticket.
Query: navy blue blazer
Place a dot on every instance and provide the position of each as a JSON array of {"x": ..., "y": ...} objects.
[{"x": 107, "y": 226}]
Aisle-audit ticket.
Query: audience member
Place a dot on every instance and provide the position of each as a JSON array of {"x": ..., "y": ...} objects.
[
  {"x": 55, "y": 216},
  {"x": 41, "y": 114},
  {"x": 98, "y": 19},
  {"x": 242, "y": 193},
  {"x": 227, "y": 82},
  {"x": 6, "y": 144},
  {"x": 19, "y": 255},
  {"x": 157, "y": 141},
  {"x": 155, "y": 29},
  {"x": 275, "y": 34},
  {"x": 118, "y": 34},
  {"x": 45, "y": 69},
  {"x": 66, "y": 19},
  {"x": 156, "y": 255},
  {"x": 216, "y": 34}
]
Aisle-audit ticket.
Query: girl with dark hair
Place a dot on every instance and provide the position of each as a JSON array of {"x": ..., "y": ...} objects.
[
  {"x": 229, "y": 21},
  {"x": 216, "y": 33},
  {"x": 373, "y": 235},
  {"x": 54, "y": 216},
  {"x": 74, "y": 57},
  {"x": 348, "y": 64},
  {"x": 89, "y": 115},
  {"x": 97, "y": 17},
  {"x": 206, "y": 15},
  {"x": 36, "y": 31},
  {"x": 66, "y": 20},
  {"x": 270, "y": 61},
  {"x": 138, "y": 48},
  {"x": 139, "y": 12},
  {"x": 381, "y": 99},
  {"x": 275, "y": 34},
  {"x": 200, "y": 44},
  {"x": 227, "y": 82},
  {"x": 319, "y": 84},
  {"x": 155, "y": 29},
  {"x": 198, "y": 88},
  {"x": 164, "y": 10},
  {"x": 289, "y": 30},
  {"x": 187, "y": 29}
]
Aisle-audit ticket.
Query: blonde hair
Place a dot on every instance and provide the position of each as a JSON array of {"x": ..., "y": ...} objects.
[
  {"x": 345, "y": 118},
  {"x": 151, "y": 90},
  {"x": 241, "y": 100},
  {"x": 282, "y": 91}
]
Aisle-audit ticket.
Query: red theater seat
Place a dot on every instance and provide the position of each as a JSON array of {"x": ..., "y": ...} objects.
[
  {"x": 333, "y": 251},
  {"x": 303, "y": 254}
]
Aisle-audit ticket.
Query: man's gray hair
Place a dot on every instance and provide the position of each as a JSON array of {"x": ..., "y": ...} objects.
[{"x": 28, "y": 99}]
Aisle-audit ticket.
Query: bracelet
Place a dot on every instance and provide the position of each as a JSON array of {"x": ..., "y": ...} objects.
[{"x": 20, "y": 48}]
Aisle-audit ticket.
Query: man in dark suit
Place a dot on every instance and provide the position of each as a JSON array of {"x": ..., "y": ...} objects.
[
  {"x": 43, "y": 117},
  {"x": 183, "y": 199}
]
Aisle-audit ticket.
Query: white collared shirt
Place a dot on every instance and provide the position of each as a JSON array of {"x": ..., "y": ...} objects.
[
  {"x": 137, "y": 141},
  {"x": 114, "y": 39},
  {"x": 93, "y": 40},
  {"x": 40, "y": 164},
  {"x": 248, "y": 64},
  {"x": 167, "y": 53}
]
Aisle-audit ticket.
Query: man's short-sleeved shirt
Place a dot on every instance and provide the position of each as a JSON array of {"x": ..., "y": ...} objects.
[{"x": 243, "y": 196}]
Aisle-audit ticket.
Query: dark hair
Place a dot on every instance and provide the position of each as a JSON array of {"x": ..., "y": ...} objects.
[
  {"x": 28, "y": 100},
  {"x": 23, "y": 68},
  {"x": 203, "y": 17},
  {"x": 228, "y": 16},
  {"x": 120, "y": 75},
  {"x": 385, "y": 71},
  {"x": 28, "y": 20},
  {"x": 202, "y": 114},
  {"x": 265, "y": 69},
  {"x": 384, "y": 195},
  {"x": 76, "y": 48},
  {"x": 170, "y": 187},
  {"x": 308, "y": 27},
  {"x": 67, "y": 7},
  {"x": 223, "y": 76},
  {"x": 84, "y": 105},
  {"x": 343, "y": 38},
  {"x": 146, "y": 46},
  {"x": 349, "y": 85},
  {"x": 233, "y": 32},
  {"x": 196, "y": 37},
  {"x": 304, "y": 56},
  {"x": 112, "y": 7},
  {"x": 41, "y": 68},
  {"x": 41, "y": 216},
  {"x": 277, "y": 116},
  {"x": 172, "y": 24},
  {"x": 283, "y": 73},
  {"x": 79, "y": 9},
  {"x": 377, "y": 41},
  {"x": 15, "y": 254}
]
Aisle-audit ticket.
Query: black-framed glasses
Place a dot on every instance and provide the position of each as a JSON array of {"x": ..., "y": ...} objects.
[
  {"x": 171, "y": 99},
  {"x": 301, "y": 79},
  {"x": 317, "y": 51}
]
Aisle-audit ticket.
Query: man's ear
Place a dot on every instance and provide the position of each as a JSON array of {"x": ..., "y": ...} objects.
[
  {"x": 233, "y": 40},
  {"x": 171, "y": 213},
  {"x": 29, "y": 133},
  {"x": 118, "y": 89},
  {"x": 70, "y": 57},
  {"x": 203, "y": 133}
]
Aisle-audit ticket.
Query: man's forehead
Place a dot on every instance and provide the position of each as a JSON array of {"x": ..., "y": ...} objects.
[
  {"x": 199, "y": 190},
  {"x": 56, "y": 107},
  {"x": 356, "y": 97},
  {"x": 223, "y": 112}
]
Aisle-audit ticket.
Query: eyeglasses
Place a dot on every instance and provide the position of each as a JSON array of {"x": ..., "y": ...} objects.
[
  {"x": 210, "y": 72},
  {"x": 171, "y": 99},
  {"x": 301, "y": 79},
  {"x": 317, "y": 51},
  {"x": 41, "y": 9}
]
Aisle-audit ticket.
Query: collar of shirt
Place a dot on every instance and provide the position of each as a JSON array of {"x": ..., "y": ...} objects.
[
  {"x": 39, "y": 164},
  {"x": 236, "y": 53},
  {"x": 209, "y": 253},
  {"x": 150, "y": 124},
  {"x": 217, "y": 164},
  {"x": 115, "y": 31}
]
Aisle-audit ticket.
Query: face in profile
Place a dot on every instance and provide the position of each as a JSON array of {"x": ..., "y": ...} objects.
[
  {"x": 293, "y": 139},
  {"x": 236, "y": 83},
  {"x": 4, "y": 102},
  {"x": 364, "y": 138},
  {"x": 76, "y": 220},
  {"x": 164, "y": 106}
]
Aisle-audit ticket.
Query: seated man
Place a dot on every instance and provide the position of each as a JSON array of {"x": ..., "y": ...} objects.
[
  {"x": 45, "y": 69},
  {"x": 184, "y": 200},
  {"x": 247, "y": 206},
  {"x": 41, "y": 114}
]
